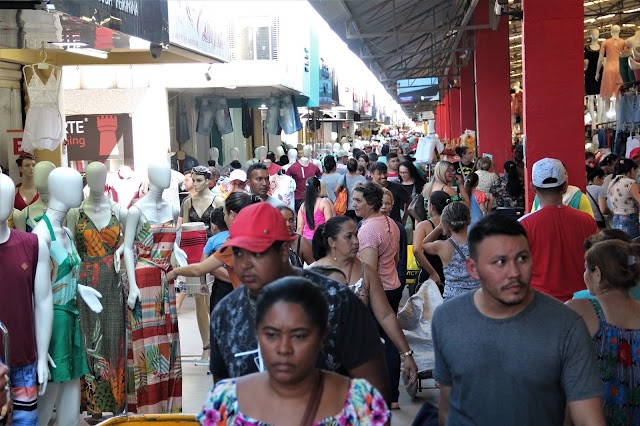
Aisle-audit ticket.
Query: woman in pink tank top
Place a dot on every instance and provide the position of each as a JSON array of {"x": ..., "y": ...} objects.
[{"x": 308, "y": 219}]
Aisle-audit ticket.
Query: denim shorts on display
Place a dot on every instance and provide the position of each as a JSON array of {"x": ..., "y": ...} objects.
[
  {"x": 213, "y": 110},
  {"x": 282, "y": 114},
  {"x": 628, "y": 110},
  {"x": 24, "y": 391},
  {"x": 627, "y": 223}
]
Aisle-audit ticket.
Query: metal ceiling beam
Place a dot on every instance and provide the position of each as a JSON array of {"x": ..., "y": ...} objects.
[
  {"x": 416, "y": 32},
  {"x": 426, "y": 76},
  {"x": 376, "y": 7},
  {"x": 404, "y": 53},
  {"x": 465, "y": 20}
]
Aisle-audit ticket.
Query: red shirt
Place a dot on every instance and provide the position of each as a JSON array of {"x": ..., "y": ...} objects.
[
  {"x": 273, "y": 169},
  {"x": 18, "y": 260},
  {"x": 300, "y": 174},
  {"x": 556, "y": 235}
]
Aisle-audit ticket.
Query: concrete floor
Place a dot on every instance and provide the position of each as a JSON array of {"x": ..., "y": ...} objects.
[{"x": 197, "y": 383}]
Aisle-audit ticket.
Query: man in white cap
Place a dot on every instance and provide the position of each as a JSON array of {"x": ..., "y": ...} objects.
[
  {"x": 556, "y": 233},
  {"x": 342, "y": 157}
]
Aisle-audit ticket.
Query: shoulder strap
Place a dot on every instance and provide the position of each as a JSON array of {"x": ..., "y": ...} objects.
[
  {"x": 595, "y": 202},
  {"x": 457, "y": 248},
  {"x": 51, "y": 233},
  {"x": 298, "y": 248},
  {"x": 314, "y": 403},
  {"x": 575, "y": 200},
  {"x": 598, "y": 309},
  {"x": 432, "y": 225}
]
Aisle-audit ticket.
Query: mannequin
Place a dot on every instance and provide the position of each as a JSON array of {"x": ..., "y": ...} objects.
[
  {"x": 183, "y": 162},
  {"x": 69, "y": 363},
  {"x": 300, "y": 171},
  {"x": 261, "y": 153},
  {"x": 214, "y": 154},
  {"x": 27, "y": 219},
  {"x": 196, "y": 229},
  {"x": 26, "y": 192},
  {"x": 292, "y": 155},
  {"x": 611, "y": 48},
  {"x": 336, "y": 147},
  {"x": 98, "y": 231},
  {"x": 280, "y": 151},
  {"x": 307, "y": 152},
  {"x": 591, "y": 55},
  {"x": 633, "y": 43},
  {"x": 517, "y": 99},
  {"x": 29, "y": 347},
  {"x": 253, "y": 160},
  {"x": 151, "y": 230}
]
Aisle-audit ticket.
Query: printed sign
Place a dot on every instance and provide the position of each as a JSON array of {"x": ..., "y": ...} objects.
[{"x": 99, "y": 137}]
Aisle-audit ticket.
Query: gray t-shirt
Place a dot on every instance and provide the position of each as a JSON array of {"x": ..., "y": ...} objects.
[
  {"x": 330, "y": 181},
  {"x": 593, "y": 193},
  {"x": 518, "y": 370}
]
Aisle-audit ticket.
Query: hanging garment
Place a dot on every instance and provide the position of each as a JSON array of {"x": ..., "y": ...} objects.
[
  {"x": 591, "y": 86},
  {"x": 611, "y": 79},
  {"x": 44, "y": 125},
  {"x": 66, "y": 347},
  {"x": 182, "y": 122},
  {"x": 103, "y": 334},
  {"x": 247, "y": 120},
  {"x": 153, "y": 355},
  {"x": 283, "y": 187}
]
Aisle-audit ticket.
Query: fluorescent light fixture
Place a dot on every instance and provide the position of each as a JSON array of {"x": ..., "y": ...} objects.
[
  {"x": 68, "y": 44},
  {"x": 637, "y": 9},
  {"x": 589, "y": 21},
  {"x": 95, "y": 53},
  {"x": 629, "y": 25},
  {"x": 515, "y": 37},
  {"x": 594, "y": 2},
  {"x": 612, "y": 15},
  {"x": 515, "y": 46}
]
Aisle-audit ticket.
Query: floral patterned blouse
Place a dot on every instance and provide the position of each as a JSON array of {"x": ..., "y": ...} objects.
[
  {"x": 502, "y": 196},
  {"x": 619, "y": 193},
  {"x": 364, "y": 406},
  {"x": 618, "y": 351}
]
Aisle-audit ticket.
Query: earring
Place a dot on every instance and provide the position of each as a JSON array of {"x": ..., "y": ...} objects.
[{"x": 335, "y": 259}]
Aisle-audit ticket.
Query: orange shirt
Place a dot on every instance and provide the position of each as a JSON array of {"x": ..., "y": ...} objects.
[{"x": 226, "y": 257}]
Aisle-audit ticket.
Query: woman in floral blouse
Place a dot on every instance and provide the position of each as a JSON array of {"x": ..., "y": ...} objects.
[
  {"x": 291, "y": 324},
  {"x": 612, "y": 269},
  {"x": 508, "y": 190}
]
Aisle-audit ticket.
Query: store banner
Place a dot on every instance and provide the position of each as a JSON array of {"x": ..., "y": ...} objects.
[
  {"x": 199, "y": 26},
  {"x": 145, "y": 19},
  {"x": 99, "y": 137}
]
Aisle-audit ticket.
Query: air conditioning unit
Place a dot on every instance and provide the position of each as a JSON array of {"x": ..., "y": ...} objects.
[{"x": 23, "y": 4}]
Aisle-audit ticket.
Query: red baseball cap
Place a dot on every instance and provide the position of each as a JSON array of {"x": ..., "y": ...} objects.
[
  {"x": 635, "y": 153},
  {"x": 257, "y": 227}
]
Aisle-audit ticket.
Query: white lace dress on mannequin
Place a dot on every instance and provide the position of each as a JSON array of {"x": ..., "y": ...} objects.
[{"x": 44, "y": 125}]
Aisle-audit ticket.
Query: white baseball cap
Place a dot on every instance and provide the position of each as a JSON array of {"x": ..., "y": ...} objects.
[
  {"x": 238, "y": 174},
  {"x": 548, "y": 173}
]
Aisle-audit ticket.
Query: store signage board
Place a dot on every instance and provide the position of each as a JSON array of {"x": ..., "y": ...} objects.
[
  {"x": 145, "y": 19},
  {"x": 199, "y": 26},
  {"x": 99, "y": 137},
  {"x": 418, "y": 89}
]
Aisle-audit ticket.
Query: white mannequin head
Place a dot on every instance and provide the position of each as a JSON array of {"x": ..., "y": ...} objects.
[
  {"x": 336, "y": 147},
  {"x": 292, "y": 154},
  {"x": 261, "y": 153},
  {"x": 328, "y": 146},
  {"x": 214, "y": 154},
  {"x": 615, "y": 31},
  {"x": 306, "y": 151},
  {"x": 41, "y": 175},
  {"x": 279, "y": 151},
  {"x": 346, "y": 146},
  {"x": 96, "y": 177},
  {"x": 65, "y": 189},
  {"x": 256, "y": 153},
  {"x": 159, "y": 177},
  {"x": 516, "y": 86},
  {"x": 234, "y": 153},
  {"x": 594, "y": 34},
  {"x": 7, "y": 194}
]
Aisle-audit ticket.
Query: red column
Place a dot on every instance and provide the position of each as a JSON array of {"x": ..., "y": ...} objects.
[
  {"x": 467, "y": 98},
  {"x": 493, "y": 99},
  {"x": 553, "y": 103},
  {"x": 454, "y": 101}
]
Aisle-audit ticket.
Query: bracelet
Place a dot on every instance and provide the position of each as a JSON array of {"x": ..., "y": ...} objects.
[{"x": 407, "y": 353}]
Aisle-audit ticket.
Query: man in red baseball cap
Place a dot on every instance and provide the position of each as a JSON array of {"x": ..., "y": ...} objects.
[{"x": 260, "y": 240}]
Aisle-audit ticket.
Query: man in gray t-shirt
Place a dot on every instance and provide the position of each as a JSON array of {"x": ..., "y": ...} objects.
[{"x": 506, "y": 354}]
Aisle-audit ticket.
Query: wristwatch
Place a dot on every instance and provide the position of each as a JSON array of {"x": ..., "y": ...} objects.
[{"x": 407, "y": 353}]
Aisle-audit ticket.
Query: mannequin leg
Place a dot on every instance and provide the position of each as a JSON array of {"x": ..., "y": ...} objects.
[
  {"x": 69, "y": 398},
  {"x": 202, "y": 315},
  {"x": 46, "y": 403}
]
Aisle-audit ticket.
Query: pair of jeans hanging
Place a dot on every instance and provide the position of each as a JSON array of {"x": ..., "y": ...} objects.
[
  {"x": 213, "y": 111},
  {"x": 282, "y": 115}
]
